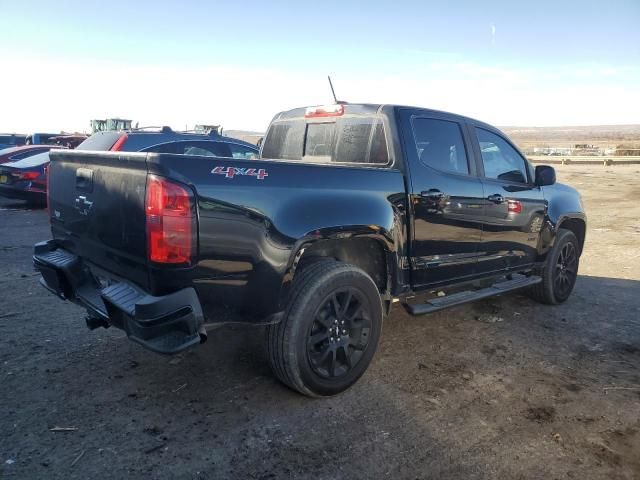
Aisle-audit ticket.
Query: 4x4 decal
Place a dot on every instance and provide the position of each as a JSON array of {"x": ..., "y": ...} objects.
[{"x": 230, "y": 172}]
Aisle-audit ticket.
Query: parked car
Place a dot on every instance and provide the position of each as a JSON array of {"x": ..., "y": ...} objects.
[
  {"x": 25, "y": 179},
  {"x": 40, "y": 138},
  {"x": 22, "y": 171},
  {"x": 8, "y": 140},
  {"x": 13, "y": 154},
  {"x": 166, "y": 140},
  {"x": 68, "y": 140},
  {"x": 350, "y": 210}
]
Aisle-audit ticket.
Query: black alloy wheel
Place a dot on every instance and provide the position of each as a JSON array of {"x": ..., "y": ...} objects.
[
  {"x": 560, "y": 270},
  {"x": 339, "y": 334},
  {"x": 329, "y": 331},
  {"x": 566, "y": 270}
]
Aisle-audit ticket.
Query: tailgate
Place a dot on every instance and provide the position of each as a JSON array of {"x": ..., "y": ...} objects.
[{"x": 96, "y": 207}]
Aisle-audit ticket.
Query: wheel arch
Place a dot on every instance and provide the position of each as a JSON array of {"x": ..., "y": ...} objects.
[
  {"x": 578, "y": 226},
  {"x": 373, "y": 253},
  {"x": 576, "y": 222}
]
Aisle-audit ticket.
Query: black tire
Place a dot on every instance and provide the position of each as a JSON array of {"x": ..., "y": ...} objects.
[
  {"x": 330, "y": 329},
  {"x": 560, "y": 270}
]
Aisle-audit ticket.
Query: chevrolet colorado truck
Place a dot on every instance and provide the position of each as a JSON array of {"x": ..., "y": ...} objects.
[{"x": 349, "y": 209}]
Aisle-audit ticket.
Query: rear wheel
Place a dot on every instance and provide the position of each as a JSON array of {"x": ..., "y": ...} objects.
[
  {"x": 330, "y": 329},
  {"x": 560, "y": 271}
]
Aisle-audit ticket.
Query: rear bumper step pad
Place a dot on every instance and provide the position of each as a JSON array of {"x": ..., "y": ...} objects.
[
  {"x": 165, "y": 324},
  {"x": 440, "y": 303}
]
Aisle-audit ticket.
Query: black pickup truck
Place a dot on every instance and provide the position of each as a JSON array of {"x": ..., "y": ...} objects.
[{"x": 350, "y": 209}]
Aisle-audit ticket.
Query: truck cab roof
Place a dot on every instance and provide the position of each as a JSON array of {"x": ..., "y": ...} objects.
[{"x": 376, "y": 108}]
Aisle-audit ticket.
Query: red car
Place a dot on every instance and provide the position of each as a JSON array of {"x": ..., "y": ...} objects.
[{"x": 13, "y": 154}]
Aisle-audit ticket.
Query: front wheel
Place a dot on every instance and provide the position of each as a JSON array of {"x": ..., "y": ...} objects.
[
  {"x": 330, "y": 329},
  {"x": 560, "y": 270}
]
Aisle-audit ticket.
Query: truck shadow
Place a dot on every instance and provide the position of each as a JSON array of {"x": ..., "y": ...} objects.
[
  {"x": 19, "y": 205},
  {"x": 415, "y": 412},
  {"x": 599, "y": 307}
]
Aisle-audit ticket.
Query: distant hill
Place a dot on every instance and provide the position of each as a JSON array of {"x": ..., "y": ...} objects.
[
  {"x": 604, "y": 136},
  {"x": 246, "y": 135},
  {"x": 234, "y": 133},
  {"x": 600, "y": 135}
]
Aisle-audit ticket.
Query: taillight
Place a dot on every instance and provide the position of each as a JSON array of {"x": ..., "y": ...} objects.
[
  {"x": 168, "y": 209},
  {"x": 116, "y": 147},
  {"x": 324, "y": 111},
  {"x": 514, "y": 206},
  {"x": 29, "y": 175}
]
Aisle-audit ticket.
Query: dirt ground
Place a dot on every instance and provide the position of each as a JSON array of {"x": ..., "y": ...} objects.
[{"x": 543, "y": 392}]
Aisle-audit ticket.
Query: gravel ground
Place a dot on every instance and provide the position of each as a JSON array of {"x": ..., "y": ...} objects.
[{"x": 503, "y": 388}]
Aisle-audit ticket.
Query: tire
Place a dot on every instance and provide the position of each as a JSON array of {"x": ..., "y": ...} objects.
[
  {"x": 329, "y": 331},
  {"x": 560, "y": 270}
]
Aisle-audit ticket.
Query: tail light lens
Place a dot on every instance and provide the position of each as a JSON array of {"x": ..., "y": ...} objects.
[
  {"x": 169, "y": 215},
  {"x": 116, "y": 147},
  {"x": 514, "y": 206},
  {"x": 29, "y": 175}
]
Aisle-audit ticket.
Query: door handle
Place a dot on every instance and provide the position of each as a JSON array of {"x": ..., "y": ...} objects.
[
  {"x": 496, "y": 198},
  {"x": 432, "y": 194}
]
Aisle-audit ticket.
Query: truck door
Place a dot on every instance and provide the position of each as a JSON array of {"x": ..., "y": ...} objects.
[
  {"x": 513, "y": 206},
  {"x": 445, "y": 196}
]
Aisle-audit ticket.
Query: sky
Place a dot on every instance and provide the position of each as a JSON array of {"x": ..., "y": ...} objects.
[{"x": 238, "y": 63}]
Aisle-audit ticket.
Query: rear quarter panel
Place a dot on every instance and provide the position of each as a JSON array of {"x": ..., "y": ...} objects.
[{"x": 251, "y": 229}]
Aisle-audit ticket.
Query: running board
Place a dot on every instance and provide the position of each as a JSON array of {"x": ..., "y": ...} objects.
[{"x": 440, "y": 303}]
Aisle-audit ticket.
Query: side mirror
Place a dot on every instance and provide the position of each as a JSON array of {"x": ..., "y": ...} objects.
[{"x": 545, "y": 175}]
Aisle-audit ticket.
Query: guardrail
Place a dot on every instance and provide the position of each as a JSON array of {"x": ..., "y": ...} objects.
[{"x": 583, "y": 160}]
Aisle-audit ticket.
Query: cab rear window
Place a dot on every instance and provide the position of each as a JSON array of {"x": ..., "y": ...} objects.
[{"x": 344, "y": 140}]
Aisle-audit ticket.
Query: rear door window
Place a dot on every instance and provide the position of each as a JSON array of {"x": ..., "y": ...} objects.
[{"x": 440, "y": 145}]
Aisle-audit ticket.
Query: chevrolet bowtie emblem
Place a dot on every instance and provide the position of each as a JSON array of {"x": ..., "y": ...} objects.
[{"x": 83, "y": 206}]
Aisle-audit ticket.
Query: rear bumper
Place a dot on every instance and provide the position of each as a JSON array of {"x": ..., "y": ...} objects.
[
  {"x": 21, "y": 194},
  {"x": 166, "y": 324}
]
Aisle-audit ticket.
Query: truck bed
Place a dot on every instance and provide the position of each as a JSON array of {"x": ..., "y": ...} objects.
[{"x": 250, "y": 215}]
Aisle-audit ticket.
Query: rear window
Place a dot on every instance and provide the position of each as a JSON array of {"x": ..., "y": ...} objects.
[
  {"x": 284, "y": 141},
  {"x": 28, "y": 153},
  {"x": 101, "y": 141},
  {"x": 345, "y": 140},
  {"x": 32, "y": 161}
]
